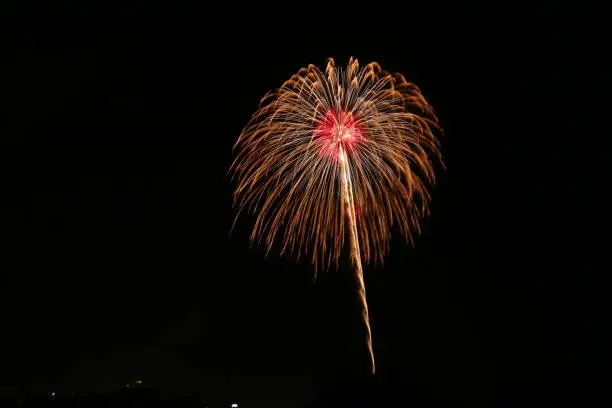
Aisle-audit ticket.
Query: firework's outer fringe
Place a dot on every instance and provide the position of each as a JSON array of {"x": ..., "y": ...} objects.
[{"x": 284, "y": 177}]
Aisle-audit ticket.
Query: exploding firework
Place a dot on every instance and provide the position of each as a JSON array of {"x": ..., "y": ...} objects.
[{"x": 336, "y": 155}]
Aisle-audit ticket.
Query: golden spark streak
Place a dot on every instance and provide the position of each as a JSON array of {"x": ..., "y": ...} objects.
[{"x": 347, "y": 192}]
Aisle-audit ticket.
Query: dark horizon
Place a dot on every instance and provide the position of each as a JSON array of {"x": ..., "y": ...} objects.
[{"x": 117, "y": 209}]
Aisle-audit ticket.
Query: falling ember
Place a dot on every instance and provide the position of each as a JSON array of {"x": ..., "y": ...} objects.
[{"x": 337, "y": 153}]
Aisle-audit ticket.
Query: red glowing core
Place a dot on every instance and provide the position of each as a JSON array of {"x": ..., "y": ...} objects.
[{"x": 338, "y": 131}]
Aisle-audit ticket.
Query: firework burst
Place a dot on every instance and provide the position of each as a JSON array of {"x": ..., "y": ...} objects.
[{"x": 336, "y": 155}]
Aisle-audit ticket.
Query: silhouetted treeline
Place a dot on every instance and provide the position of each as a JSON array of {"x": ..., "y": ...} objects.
[{"x": 141, "y": 398}]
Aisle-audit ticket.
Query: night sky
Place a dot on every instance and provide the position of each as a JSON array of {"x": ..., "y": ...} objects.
[{"x": 115, "y": 215}]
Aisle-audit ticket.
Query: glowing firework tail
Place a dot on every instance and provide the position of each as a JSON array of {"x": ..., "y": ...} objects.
[
  {"x": 337, "y": 153},
  {"x": 347, "y": 194}
]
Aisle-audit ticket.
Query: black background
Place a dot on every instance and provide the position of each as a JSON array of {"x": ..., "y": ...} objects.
[{"x": 117, "y": 260}]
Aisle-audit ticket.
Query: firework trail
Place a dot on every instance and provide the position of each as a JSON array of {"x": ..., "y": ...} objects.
[{"x": 338, "y": 153}]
